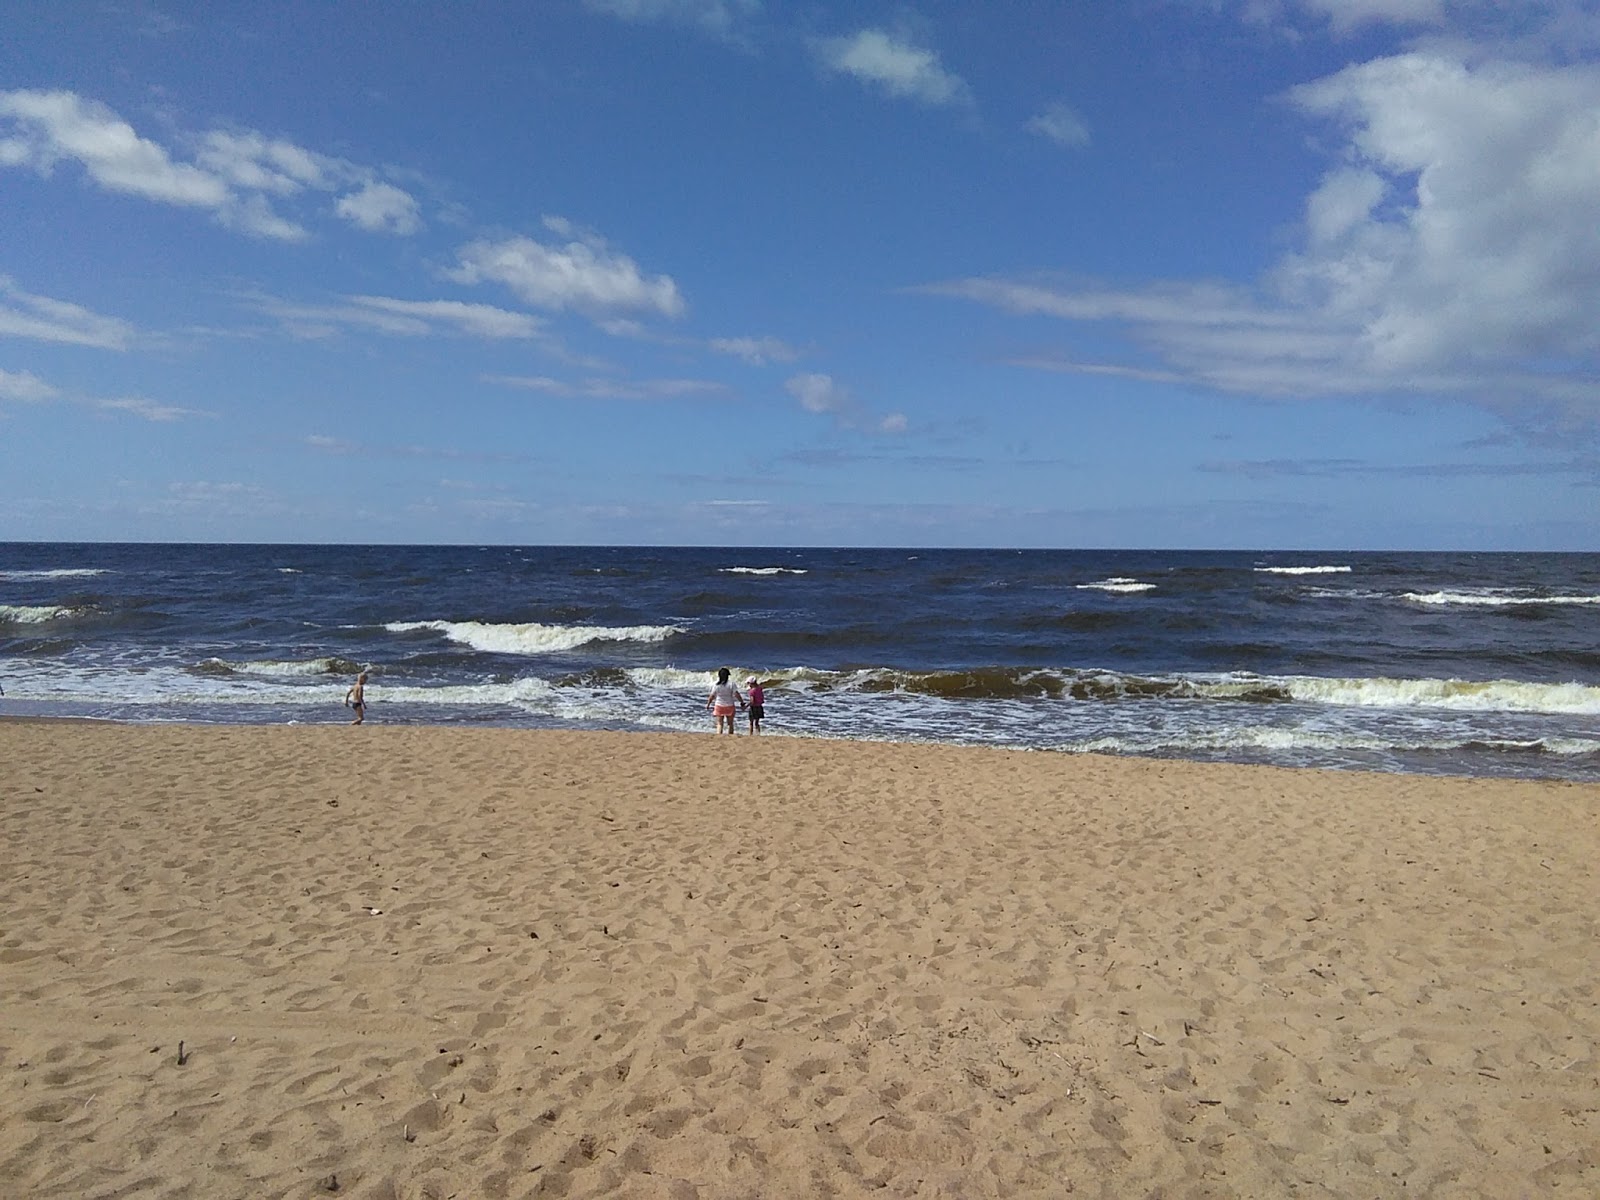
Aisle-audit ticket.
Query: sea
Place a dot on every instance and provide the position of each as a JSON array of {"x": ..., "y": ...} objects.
[{"x": 1418, "y": 663}]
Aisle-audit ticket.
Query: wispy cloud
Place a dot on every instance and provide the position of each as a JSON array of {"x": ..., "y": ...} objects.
[
  {"x": 400, "y": 318},
  {"x": 757, "y": 351},
  {"x": 822, "y": 394},
  {"x": 583, "y": 273},
  {"x": 896, "y": 64},
  {"x": 1062, "y": 124},
  {"x": 235, "y": 176},
  {"x": 1585, "y": 468},
  {"x": 323, "y": 444},
  {"x": 43, "y": 319},
  {"x": 612, "y": 389},
  {"x": 24, "y": 387},
  {"x": 717, "y": 17},
  {"x": 148, "y": 410},
  {"x": 1450, "y": 249}
]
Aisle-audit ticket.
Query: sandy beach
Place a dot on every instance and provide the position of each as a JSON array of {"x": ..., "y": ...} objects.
[{"x": 406, "y": 962}]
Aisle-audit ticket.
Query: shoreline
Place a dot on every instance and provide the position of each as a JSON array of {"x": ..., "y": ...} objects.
[{"x": 491, "y": 960}]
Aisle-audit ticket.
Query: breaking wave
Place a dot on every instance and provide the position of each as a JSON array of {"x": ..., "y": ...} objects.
[{"x": 533, "y": 638}]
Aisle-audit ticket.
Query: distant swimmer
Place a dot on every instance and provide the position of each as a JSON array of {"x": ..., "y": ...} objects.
[
  {"x": 758, "y": 704},
  {"x": 356, "y": 698},
  {"x": 722, "y": 701}
]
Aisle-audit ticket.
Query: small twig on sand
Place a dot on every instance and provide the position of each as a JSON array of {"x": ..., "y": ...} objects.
[{"x": 182, "y": 1057}]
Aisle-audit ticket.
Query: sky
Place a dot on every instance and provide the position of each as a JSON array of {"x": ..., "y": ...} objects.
[{"x": 1238, "y": 274}]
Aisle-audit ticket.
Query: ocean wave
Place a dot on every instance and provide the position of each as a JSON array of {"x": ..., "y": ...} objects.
[
  {"x": 1492, "y": 598},
  {"x": 762, "y": 570},
  {"x": 55, "y": 573},
  {"x": 1292, "y": 741},
  {"x": 533, "y": 638},
  {"x": 1329, "y": 570},
  {"x": 220, "y": 667},
  {"x": 1117, "y": 583},
  {"x": 1493, "y": 695},
  {"x": 1024, "y": 683},
  {"x": 35, "y": 614}
]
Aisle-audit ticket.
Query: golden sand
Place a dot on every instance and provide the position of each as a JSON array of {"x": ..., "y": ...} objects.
[{"x": 477, "y": 963}]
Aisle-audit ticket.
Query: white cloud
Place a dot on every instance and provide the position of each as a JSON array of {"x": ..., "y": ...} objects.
[
  {"x": 148, "y": 410},
  {"x": 757, "y": 351},
  {"x": 818, "y": 393},
  {"x": 714, "y": 16},
  {"x": 611, "y": 389},
  {"x": 893, "y": 423},
  {"x": 898, "y": 66},
  {"x": 257, "y": 163},
  {"x": 236, "y": 175},
  {"x": 583, "y": 274},
  {"x": 1453, "y": 249},
  {"x": 56, "y": 125},
  {"x": 401, "y": 318},
  {"x": 24, "y": 387},
  {"x": 478, "y": 320},
  {"x": 1350, "y": 14},
  {"x": 47, "y": 320},
  {"x": 381, "y": 208},
  {"x": 1485, "y": 243},
  {"x": 824, "y": 395},
  {"x": 1062, "y": 125}
]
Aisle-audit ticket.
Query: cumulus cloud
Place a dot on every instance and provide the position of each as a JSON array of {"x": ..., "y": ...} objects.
[
  {"x": 381, "y": 208},
  {"x": 583, "y": 273},
  {"x": 235, "y": 176},
  {"x": 1061, "y": 124},
  {"x": 46, "y": 320},
  {"x": 1451, "y": 248},
  {"x": 899, "y": 66}
]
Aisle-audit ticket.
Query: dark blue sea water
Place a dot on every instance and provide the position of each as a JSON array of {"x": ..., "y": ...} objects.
[{"x": 1477, "y": 664}]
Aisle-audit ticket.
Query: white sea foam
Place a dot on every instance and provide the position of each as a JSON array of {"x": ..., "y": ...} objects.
[
  {"x": 1495, "y": 695},
  {"x": 290, "y": 667},
  {"x": 57, "y": 573},
  {"x": 1279, "y": 740},
  {"x": 32, "y": 614},
  {"x": 762, "y": 570},
  {"x": 1492, "y": 598},
  {"x": 1304, "y": 570},
  {"x": 674, "y": 678},
  {"x": 533, "y": 638},
  {"x": 1118, "y": 583}
]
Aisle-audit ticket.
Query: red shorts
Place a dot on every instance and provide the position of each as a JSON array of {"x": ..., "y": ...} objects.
[{"x": 722, "y": 710}]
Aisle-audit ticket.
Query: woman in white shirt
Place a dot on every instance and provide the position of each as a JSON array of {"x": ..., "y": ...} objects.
[{"x": 722, "y": 702}]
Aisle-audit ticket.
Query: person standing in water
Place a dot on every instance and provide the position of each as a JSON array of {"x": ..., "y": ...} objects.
[
  {"x": 722, "y": 701},
  {"x": 356, "y": 698},
  {"x": 758, "y": 705}
]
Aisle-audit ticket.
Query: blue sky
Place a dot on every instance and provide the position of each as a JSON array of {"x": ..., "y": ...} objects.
[{"x": 1161, "y": 273}]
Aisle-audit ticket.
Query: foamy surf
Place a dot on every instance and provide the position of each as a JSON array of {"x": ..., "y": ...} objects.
[
  {"x": 34, "y": 614},
  {"x": 1118, "y": 583},
  {"x": 1493, "y": 598},
  {"x": 1325, "y": 570},
  {"x": 533, "y": 638}
]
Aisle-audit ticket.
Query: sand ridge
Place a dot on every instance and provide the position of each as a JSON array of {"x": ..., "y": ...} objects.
[{"x": 454, "y": 962}]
